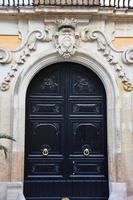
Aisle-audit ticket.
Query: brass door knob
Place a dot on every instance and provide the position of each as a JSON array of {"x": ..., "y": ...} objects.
[
  {"x": 65, "y": 198},
  {"x": 45, "y": 152},
  {"x": 86, "y": 152}
]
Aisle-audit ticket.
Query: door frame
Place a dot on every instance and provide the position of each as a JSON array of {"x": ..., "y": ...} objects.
[{"x": 18, "y": 104}]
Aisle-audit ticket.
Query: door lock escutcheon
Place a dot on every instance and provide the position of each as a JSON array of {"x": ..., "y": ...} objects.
[
  {"x": 45, "y": 152},
  {"x": 86, "y": 152}
]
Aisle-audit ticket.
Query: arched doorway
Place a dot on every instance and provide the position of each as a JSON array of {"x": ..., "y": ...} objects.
[{"x": 66, "y": 135}]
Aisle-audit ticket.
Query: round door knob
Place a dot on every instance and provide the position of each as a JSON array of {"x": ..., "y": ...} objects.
[
  {"x": 45, "y": 152},
  {"x": 86, "y": 152}
]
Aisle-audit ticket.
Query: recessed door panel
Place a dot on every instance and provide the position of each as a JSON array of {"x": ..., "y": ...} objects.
[
  {"x": 86, "y": 108},
  {"x": 46, "y": 133},
  {"x": 48, "y": 84},
  {"x": 87, "y": 135},
  {"x": 45, "y": 108},
  {"x": 89, "y": 168},
  {"x": 82, "y": 84},
  {"x": 66, "y": 135}
]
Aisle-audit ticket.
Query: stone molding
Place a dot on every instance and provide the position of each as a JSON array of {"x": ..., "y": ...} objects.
[
  {"x": 113, "y": 12},
  {"x": 66, "y": 41}
]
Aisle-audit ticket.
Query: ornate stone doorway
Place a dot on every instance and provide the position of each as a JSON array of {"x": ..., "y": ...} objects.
[{"x": 66, "y": 135}]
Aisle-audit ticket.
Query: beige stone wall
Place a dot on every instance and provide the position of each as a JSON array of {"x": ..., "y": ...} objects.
[{"x": 9, "y": 41}]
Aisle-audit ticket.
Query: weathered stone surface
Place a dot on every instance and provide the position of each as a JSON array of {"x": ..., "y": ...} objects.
[
  {"x": 20, "y": 196},
  {"x": 119, "y": 191},
  {"x": 130, "y": 198},
  {"x": 14, "y": 191},
  {"x": 3, "y": 191}
]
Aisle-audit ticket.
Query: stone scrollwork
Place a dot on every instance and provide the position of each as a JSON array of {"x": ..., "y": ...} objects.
[
  {"x": 106, "y": 49},
  {"x": 22, "y": 53},
  {"x": 30, "y": 45},
  {"x": 127, "y": 56},
  {"x": 5, "y": 55},
  {"x": 66, "y": 39}
]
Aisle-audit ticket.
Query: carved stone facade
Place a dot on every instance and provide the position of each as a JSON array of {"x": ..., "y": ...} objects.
[
  {"x": 67, "y": 41},
  {"x": 88, "y": 39}
]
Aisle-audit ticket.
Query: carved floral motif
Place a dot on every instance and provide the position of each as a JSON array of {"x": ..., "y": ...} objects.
[
  {"x": 83, "y": 85},
  {"x": 49, "y": 83}
]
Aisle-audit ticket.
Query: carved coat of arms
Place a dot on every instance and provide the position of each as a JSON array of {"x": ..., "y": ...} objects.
[{"x": 66, "y": 38}]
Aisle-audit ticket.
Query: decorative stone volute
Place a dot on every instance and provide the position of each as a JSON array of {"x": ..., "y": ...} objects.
[{"x": 5, "y": 56}]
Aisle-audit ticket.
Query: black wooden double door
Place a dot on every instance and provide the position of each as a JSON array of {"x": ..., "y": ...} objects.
[{"x": 66, "y": 136}]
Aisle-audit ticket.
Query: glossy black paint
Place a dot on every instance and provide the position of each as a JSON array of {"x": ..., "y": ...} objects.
[{"x": 66, "y": 114}]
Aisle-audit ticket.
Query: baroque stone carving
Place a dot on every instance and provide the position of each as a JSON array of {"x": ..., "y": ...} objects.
[
  {"x": 22, "y": 53},
  {"x": 127, "y": 56},
  {"x": 66, "y": 39},
  {"x": 66, "y": 42},
  {"x": 5, "y": 55},
  {"x": 106, "y": 49}
]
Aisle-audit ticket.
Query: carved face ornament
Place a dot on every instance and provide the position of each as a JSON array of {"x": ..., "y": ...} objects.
[{"x": 66, "y": 44}]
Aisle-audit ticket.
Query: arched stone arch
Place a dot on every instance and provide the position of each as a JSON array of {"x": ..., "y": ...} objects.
[{"x": 31, "y": 68}]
